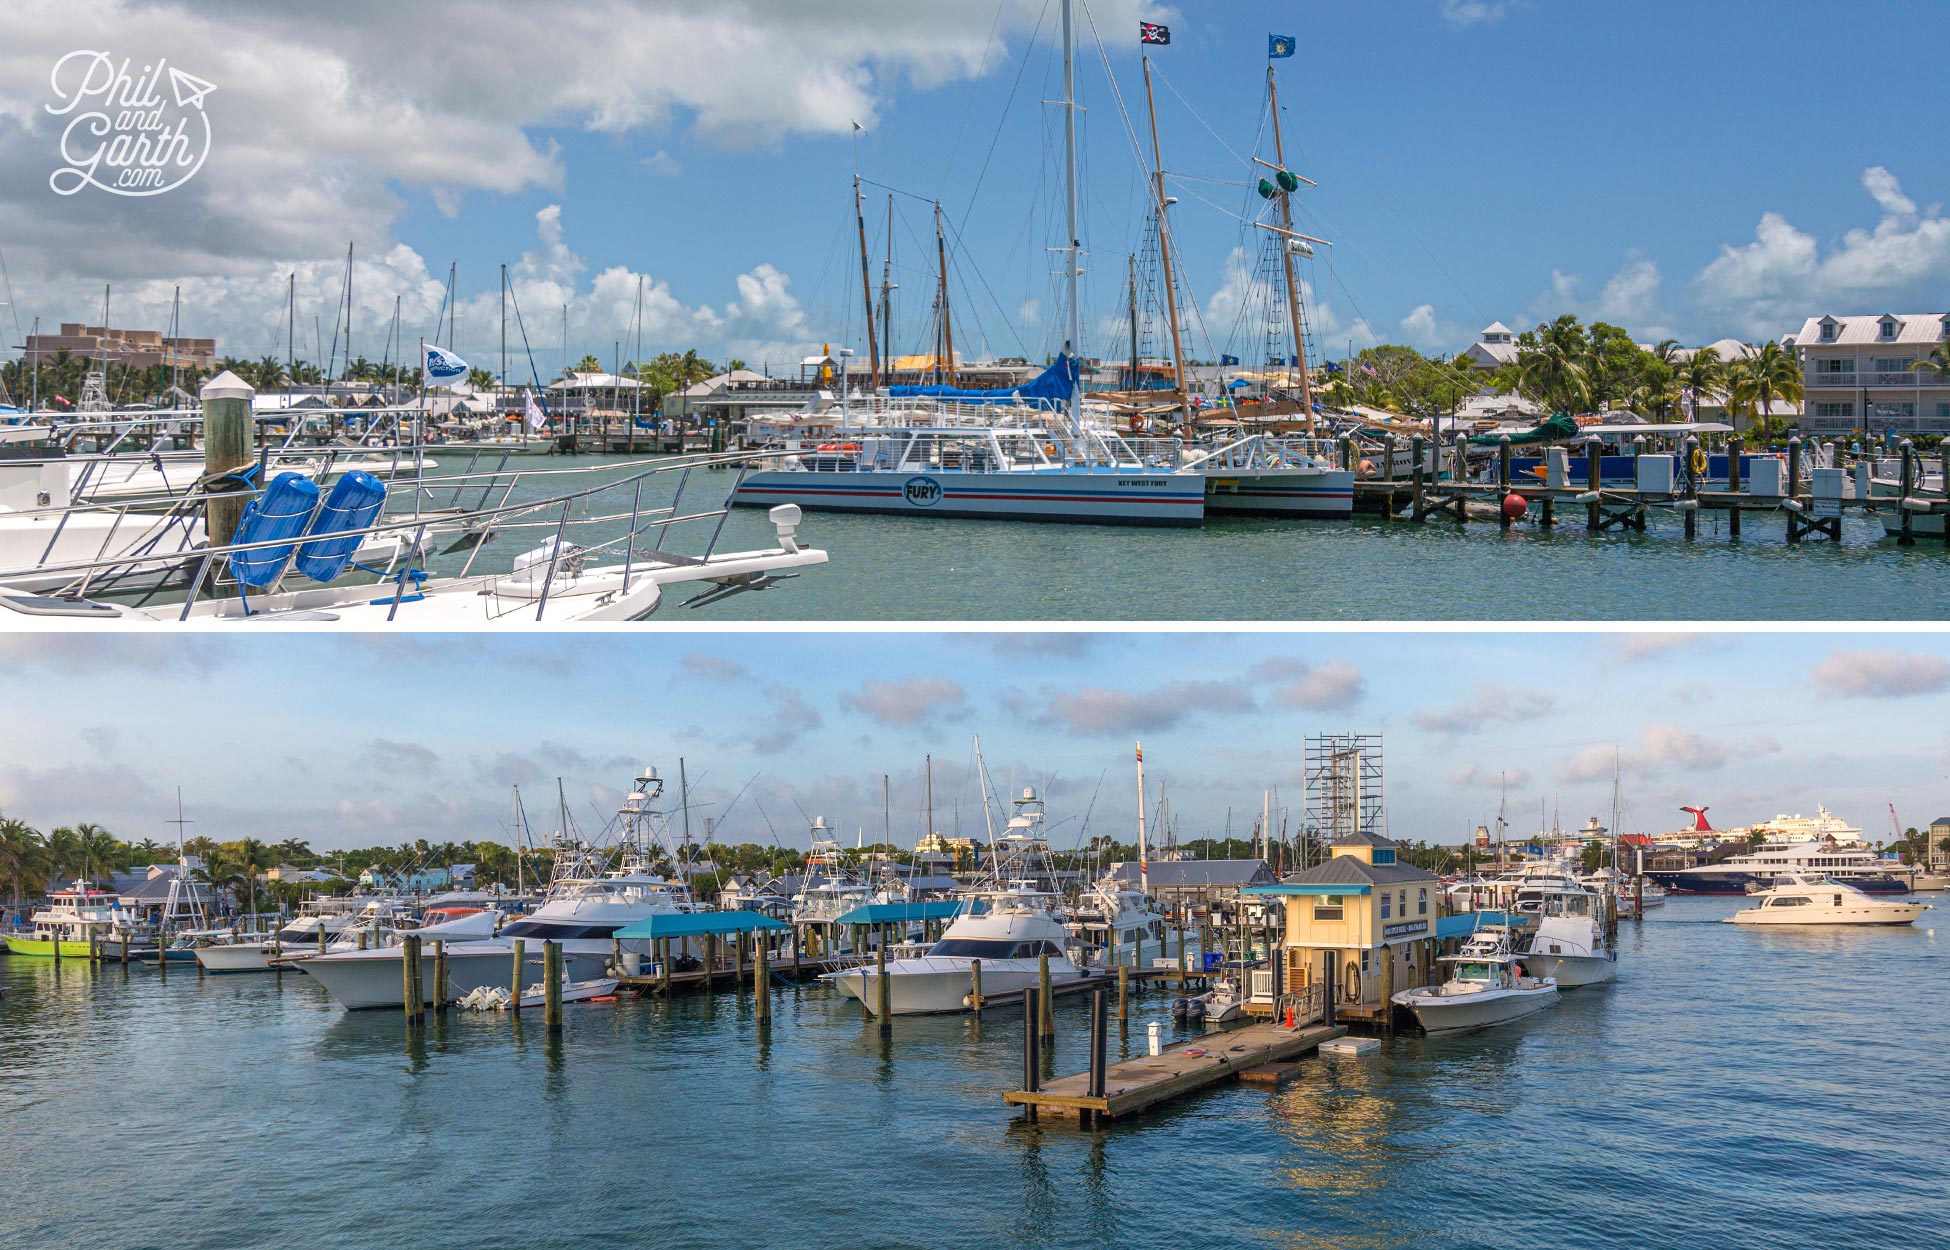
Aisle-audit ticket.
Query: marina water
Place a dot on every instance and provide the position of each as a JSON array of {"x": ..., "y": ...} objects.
[
  {"x": 905, "y": 568},
  {"x": 1733, "y": 1088}
]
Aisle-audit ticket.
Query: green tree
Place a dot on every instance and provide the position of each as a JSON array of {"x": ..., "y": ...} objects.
[
  {"x": 1937, "y": 362},
  {"x": 1704, "y": 374},
  {"x": 22, "y": 857},
  {"x": 1775, "y": 376}
]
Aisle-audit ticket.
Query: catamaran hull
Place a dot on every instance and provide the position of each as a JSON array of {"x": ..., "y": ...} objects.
[
  {"x": 1326, "y": 494},
  {"x": 912, "y": 992},
  {"x": 1086, "y": 498},
  {"x": 1459, "y": 1013},
  {"x": 364, "y": 980}
]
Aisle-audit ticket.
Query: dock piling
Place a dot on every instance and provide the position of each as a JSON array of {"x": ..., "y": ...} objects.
[
  {"x": 883, "y": 994},
  {"x": 1099, "y": 1047},
  {"x": 440, "y": 976},
  {"x": 514, "y": 1003},
  {"x": 1044, "y": 1018},
  {"x": 552, "y": 987},
  {"x": 1735, "y": 446},
  {"x": 1123, "y": 992},
  {"x": 761, "y": 985},
  {"x": 975, "y": 986},
  {"x": 1032, "y": 1068}
]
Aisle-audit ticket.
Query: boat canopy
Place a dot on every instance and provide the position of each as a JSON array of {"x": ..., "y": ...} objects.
[
  {"x": 1669, "y": 429},
  {"x": 900, "y": 913},
  {"x": 1549, "y": 430},
  {"x": 699, "y": 924},
  {"x": 1053, "y": 385},
  {"x": 1465, "y": 923}
]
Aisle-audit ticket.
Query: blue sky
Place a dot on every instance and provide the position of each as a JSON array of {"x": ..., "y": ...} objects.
[
  {"x": 1690, "y": 170},
  {"x": 351, "y": 741}
]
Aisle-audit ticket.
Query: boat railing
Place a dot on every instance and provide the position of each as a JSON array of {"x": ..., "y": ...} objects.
[{"x": 552, "y": 515}]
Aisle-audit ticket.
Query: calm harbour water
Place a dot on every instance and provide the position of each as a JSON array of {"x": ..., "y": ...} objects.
[
  {"x": 909, "y": 568},
  {"x": 1734, "y": 1088}
]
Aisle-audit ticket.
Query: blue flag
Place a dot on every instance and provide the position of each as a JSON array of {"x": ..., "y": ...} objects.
[
  {"x": 1278, "y": 46},
  {"x": 1228, "y": 360}
]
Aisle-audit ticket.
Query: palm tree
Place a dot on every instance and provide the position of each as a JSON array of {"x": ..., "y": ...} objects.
[
  {"x": 65, "y": 856},
  {"x": 221, "y": 871},
  {"x": 1703, "y": 374},
  {"x": 22, "y": 857},
  {"x": 1657, "y": 395},
  {"x": 1937, "y": 362},
  {"x": 1667, "y": 352},
  {"x": 101, "y": 851},
  {"x": 1741, "y": 389},
  {"x": 1777, "y": 376},
  {"x": 253, "y": 857}
]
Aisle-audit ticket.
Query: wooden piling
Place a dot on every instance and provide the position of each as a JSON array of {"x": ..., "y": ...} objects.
[
  {"x": 1735, "y": 446},
  {"x": 440, "y": 976},
  {"x": 1099, "y": 1049},
  {"x": 1502, "y": 479},
  {"x": 1907, "y": 451},
  {"x": 227, "y": 429},
  {"x": 975, "y": 986},
  {"x": 663, "y": 964},
  {"x": 514, "y": 1004},
  {"x": 1594, "y": 473},
  {"x": 1123, "y": 992},
  {"x": 1045, "y": 1019},
  {"x": 761, "y": 984},
  {"x": 1690, "y": 483},
  {"x": 1417, "y": 476},
  {"x": 710, "y": 962},
  {"x": 1032, "y": 1057},
  {"x": 552, "y": 989},
  {"x": 1387, "y": 989},
  {"x": 1794, "y": 524},
  {"x": 883, "y": 993},
  {"x": 406, "y": 979}
]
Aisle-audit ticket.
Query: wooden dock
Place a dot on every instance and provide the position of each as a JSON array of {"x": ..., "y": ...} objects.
[{"x": 1145, "y": 1080}]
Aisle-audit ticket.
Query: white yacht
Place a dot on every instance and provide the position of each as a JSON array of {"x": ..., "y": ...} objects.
[
  {"x": 1567, "y": 931},
  {"x": 333, "y": 917},
  {"x": 1110, "y": 919},
  {"x": 1017, "y": 928},
  {"x": 1487, "y": 985},
  {"x": 1797, "y": 899},
  {"x": 585, "y": 907},
  {"x": 1860, "y": 866},
  {"x": 373, "y": 977}
]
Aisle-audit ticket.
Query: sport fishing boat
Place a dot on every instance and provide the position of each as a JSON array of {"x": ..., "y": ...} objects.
[
  {"x": 1009, "y": 928},
  {"x": 1566, "y": 940},
  {"x": 373, "y": 977},
  {"x": 1857, "y": 866},
  {"x": 1799, "y": 899},
  {"x": 330, "y": 917},
  {"x": 1487, "y": 985},
  {"x": 829, "y": 890},
  {"x": 1109, "y": 919}
]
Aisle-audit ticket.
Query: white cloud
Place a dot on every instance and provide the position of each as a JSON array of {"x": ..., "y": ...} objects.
[
  {"x": 1630, "y": 299},
  {"x": 908, "y": 702},
  {"x": 1464, "y": 13},
  {"x": 1476, "y": 777},
  {"x": 1103, "y": 710},
  {"x": 1296, "y": 683},
  {"x": 1486, "y": 703},
  {"x": 1663, "y": 751},
  {"x": 1244, "y": 292},
  {"x": 662, "y": 164},
  {"x": 1770, "y": 285},
  {"x": 1882, "y": 674}
]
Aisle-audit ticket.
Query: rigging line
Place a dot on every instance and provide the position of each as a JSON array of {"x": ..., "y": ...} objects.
[
  {"x": 969, "y": 108},
  {"x": 11, "y": 305},
  {"x": 1130, "y": 131},
  {"x": 981, "y": 331},
  {"x": 913, "y": 195},
  {"x": 1007, "y": 104},
  {"x": 1159, "y": 70}
]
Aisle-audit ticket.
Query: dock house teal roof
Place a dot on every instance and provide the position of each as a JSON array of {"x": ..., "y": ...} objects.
[
  {"x": 700, "y": 924},
  {"x": 903, "y": 913}
]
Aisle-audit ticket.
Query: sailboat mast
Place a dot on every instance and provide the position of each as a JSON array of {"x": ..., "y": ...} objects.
[
  {"x": 946, "y": 361},
  {"x": 516, "y": 799},
  {"x": 866, "y": 287},
  {"x": 291, "y": 325},
  {"x": 1286, "y": 260},
  {"x": 886, "y": 296},
  {"x": 1131, "y": 383},
  {"x": 1164, "y": 251},
  {"x": 1144, "y": 869},
  {"x": 1073, "y": 337},
  {"x": 684, "y": 798},
  {"x": 504, "y": 325}
]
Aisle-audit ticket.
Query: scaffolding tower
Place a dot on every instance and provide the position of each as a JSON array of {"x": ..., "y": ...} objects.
[{"x": 1344, "y": 790}]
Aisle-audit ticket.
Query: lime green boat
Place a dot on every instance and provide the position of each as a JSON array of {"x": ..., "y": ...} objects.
[{"x": 73, "y": 921}]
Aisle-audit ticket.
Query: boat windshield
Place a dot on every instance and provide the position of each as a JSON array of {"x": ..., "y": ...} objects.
[
  {"x": 1475, "y": 972},
  {"x": 558, "y": 932},
  {"x": 994, "y": 948}
]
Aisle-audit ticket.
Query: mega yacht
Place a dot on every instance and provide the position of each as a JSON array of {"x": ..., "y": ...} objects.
[
  {"x": 1857, "y": 866},
  {"x": 1799, "y": 899}
]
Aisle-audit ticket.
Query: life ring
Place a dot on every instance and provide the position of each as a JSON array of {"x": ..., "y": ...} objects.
[
  {"x": 1351, "y": 989},
  {"x": 1699, "y": 463}
]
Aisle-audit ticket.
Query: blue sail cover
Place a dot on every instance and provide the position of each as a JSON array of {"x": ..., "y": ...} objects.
[{"x": 1053, "y": 386}]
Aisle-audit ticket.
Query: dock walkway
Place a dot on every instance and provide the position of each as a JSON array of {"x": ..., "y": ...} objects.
[{"x": 1146, "y": 1080}]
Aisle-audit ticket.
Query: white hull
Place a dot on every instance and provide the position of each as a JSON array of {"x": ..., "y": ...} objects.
[
  {"x": 1929, "y": 882},
  {"x": 1877, "y": 913},
  {"x": 362, "y": 980},
  {"x": 1327, "y": 493},
  {"x": 937, "y": 984},
  {"x": 236, "y": 957},
  {"x": 1455, "y": 1013},
  {"x": 1572, "y": 971},
  {"x": 1128, "y": 497}
]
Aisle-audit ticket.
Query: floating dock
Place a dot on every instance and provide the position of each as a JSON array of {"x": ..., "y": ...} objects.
[{"x": 1144, "y": 1081}]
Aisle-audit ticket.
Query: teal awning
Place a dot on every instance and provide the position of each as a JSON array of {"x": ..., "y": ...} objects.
[
  {"x": 1310, "y": 887},
  {"x": 700, "y": 924},
  {"x": 1467, "y": 923},
  {"x": 901, "y": 913}
]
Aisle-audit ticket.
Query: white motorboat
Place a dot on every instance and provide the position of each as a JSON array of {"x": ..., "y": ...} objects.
[
  {"x": 1487, "y": 985},
  {"x": 1566, "y": 931},
  {"x": 1798, "y": 899},
  {"x": 373, "y": 977},
  {"x": 1018, "y": 928},
  {"x": 1109, "y": 921},
  {"x": 1929, "y": 882},
  {"x": 830, "y": 889},
  {"x": 297, "y": 939}
]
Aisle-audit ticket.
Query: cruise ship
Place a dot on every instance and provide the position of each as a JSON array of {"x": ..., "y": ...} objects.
[{"x": 1758, "y": 869}]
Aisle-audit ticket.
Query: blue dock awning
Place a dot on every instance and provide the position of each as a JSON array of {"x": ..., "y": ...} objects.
[
  {"x": 903, "y": 913},
  {"x": 700, "y": 924},
  {"x": 1466, "y": 923}
]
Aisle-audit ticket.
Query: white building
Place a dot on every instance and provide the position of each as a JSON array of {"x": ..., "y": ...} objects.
[
  {"x": 1494, "y": 348},
  {"x": 1859, "y": 374}
]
